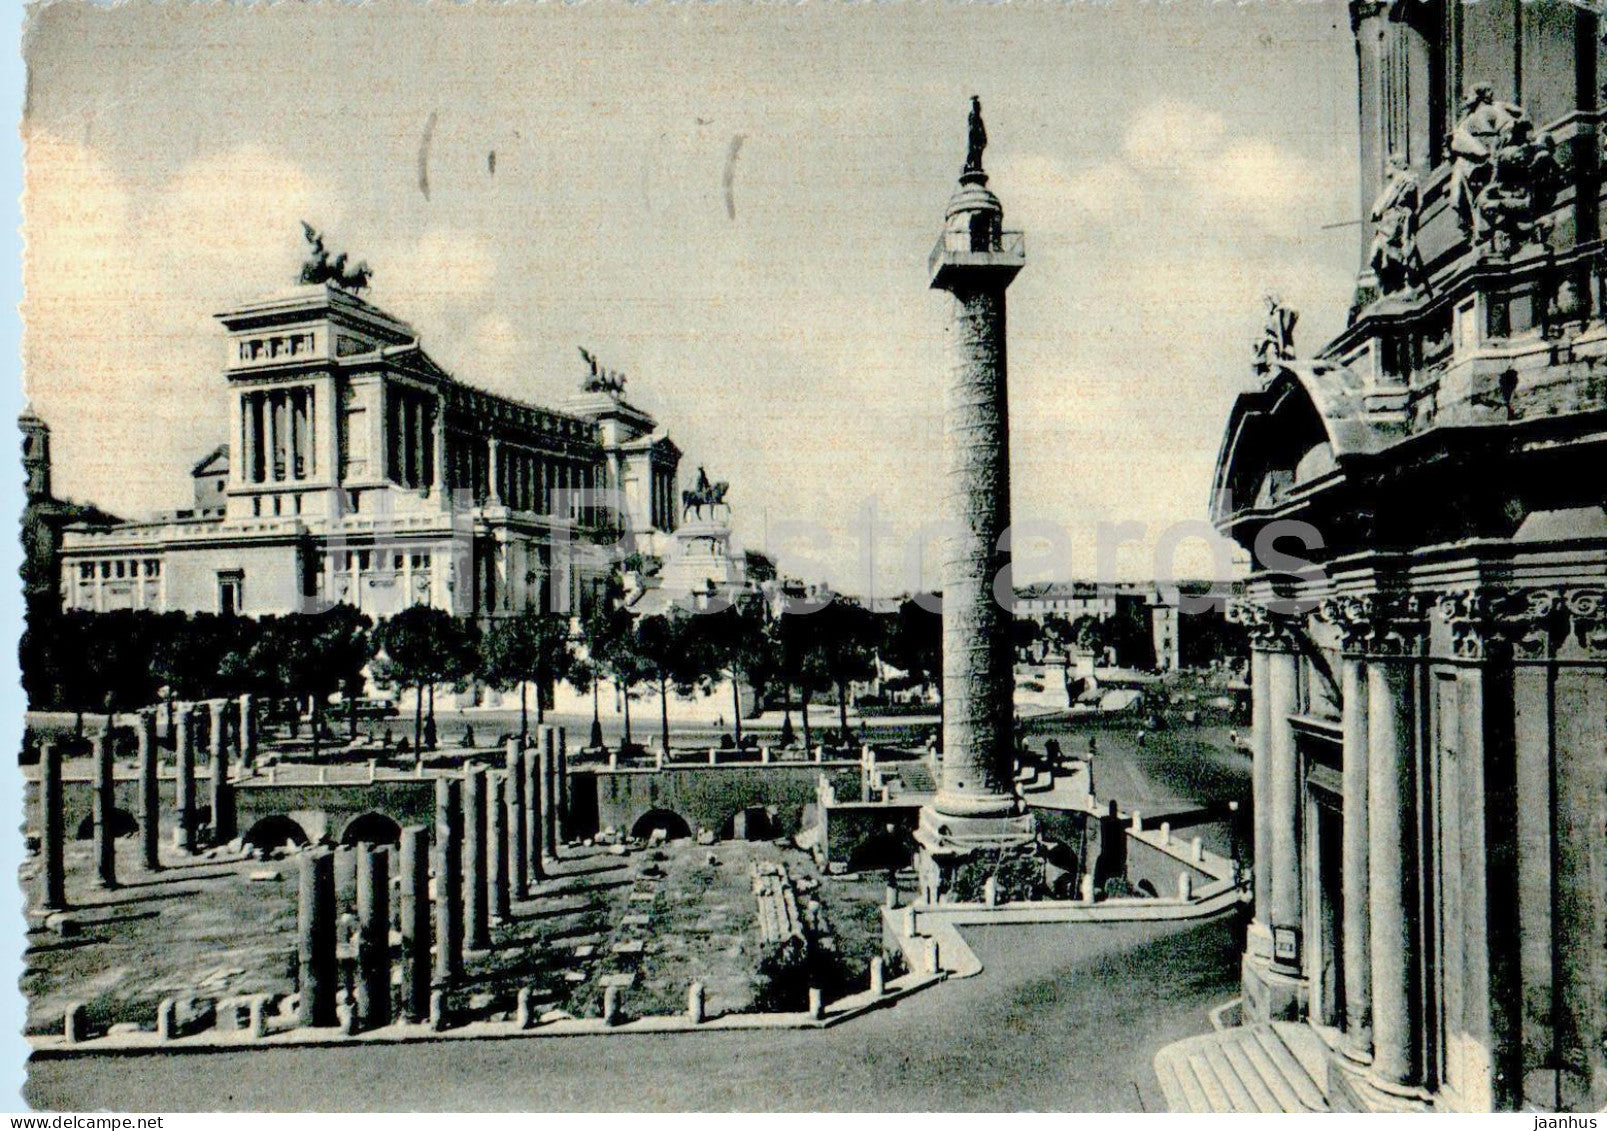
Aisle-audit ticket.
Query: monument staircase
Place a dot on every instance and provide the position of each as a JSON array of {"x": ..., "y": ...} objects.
[{"x": 1272, "y": 1067}]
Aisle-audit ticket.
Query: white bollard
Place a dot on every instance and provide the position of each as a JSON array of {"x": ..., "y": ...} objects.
[
  {"x": 1196, "y": 850},
  {"x": 990, "y": 891},
  {"x": 696, "y": 1003},
  {"x": 1166, "y": 832},
  {"x": 909, "y": 922},
  {"x": 611, "y": 1005},
  {"x": 523, "y": 1016},
  {"x": 934, "y": 964},
  {"x": 816, "y": 1004},
  {"x": 1138, "y": 821},
  {"x": 1185, "y": 886},
  {"x": 878, "y": 976},
  {"x": 1088, "y": 887}
]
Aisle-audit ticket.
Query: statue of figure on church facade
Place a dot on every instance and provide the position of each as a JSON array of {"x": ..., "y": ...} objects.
[
  {"x": 1277, "y": 341},
  {"x": 976, "y": 138},
  {"x": 319, "y": 267},
  {"x": 1523, "y": 175},
  {"x": 1394, "y": 258},
  {"x": 1472, "y": 144}
]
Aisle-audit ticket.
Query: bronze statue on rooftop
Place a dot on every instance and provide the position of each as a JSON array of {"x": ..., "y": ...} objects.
[
  {"x": 318, "y": 267},
  {"x": 600, "y": 379}
]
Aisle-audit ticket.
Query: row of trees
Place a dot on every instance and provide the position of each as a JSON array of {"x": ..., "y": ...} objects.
[{"x": 116, "y": 661}]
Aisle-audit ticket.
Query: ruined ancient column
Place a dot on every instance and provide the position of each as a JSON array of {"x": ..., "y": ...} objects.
[
  {"x": 448, "y": 880},
  {"x": 315, "y": 926},
  {"x": 184, "y": 786},
  {"x": 245, "y": 731},
  {"x": 975, "y": 809},
  {"x": 1392, "y": 872},
  {"x": 1358, "y": 1043},
  {"x": 222, "y": 793},
  {"x": 150, "y": 791},
  {"x": 542, "y": 784},
  {"x": 416, "y": 922},
  {"x": 518, "y": 821},
  {"x": 52, "y": 827},
  {"x": 498, "y": 881},
  {"x": 476, "y": 906},
  {"x": 105, "y": 809},
  {"x": 562, "y": 816},
  {"x": 374, "y": 937}
]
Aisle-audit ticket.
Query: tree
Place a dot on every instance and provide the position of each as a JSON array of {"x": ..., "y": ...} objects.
[
  {"x": 423, "y": 646},
  {"x": 842, "y": 647},
  {"x": 914, "y": 643},
  {"x": 532, "y": 647},
  {"x": 729, "y": 641},
  {"x": 609, "y": 632},
  {"x": 310, "y": 656},
  {"x": 663, "y": 643}
]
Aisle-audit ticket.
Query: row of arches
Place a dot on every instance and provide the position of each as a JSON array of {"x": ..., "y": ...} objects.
[
  {"x": 752, "y": 823},
  {"x": 277, "y": 831}
]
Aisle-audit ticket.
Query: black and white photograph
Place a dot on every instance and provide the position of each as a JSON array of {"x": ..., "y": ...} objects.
[{"x": 810, "y": 557}]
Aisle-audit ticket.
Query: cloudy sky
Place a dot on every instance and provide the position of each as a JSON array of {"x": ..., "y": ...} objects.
[{"x": 1169, "y": 163}]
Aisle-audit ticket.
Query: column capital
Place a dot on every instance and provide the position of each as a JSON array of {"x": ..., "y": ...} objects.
[
  {"x": 1533, "y": 623},
  {"x": 1378, "y": 624},
  {"x": 1270, "y": 629}
]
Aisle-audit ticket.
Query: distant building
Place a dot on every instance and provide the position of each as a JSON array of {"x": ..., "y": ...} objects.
[
  {"x": 45, "y": 517},
  {"x": 358, "y": 471},
  {"x": 1176, "y": 630}
]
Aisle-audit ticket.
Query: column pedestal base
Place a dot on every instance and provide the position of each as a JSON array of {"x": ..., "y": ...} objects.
[
  {"x": 958, "y": 854},
  {"x": 1270, "y": 992}
]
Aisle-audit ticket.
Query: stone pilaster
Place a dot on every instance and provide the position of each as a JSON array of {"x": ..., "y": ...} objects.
[
  {"x": 374, "y": 937},
  {"x": 315, "y": 925},
  {"x": 415, "y": 922}
]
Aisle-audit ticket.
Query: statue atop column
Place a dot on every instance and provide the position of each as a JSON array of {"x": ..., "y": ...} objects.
[
  {"x": 1277, "y": 341},
  {"x": 976, "y": 140},
  {"x": 1394, "y": 258},
  {"x": 319, "y": 267}
]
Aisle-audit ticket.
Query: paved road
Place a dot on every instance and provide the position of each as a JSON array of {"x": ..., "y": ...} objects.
[{"x": 1064, "y": 1017}]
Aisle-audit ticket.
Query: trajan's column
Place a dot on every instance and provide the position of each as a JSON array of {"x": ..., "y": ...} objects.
[{"x": 975, "y": 810}]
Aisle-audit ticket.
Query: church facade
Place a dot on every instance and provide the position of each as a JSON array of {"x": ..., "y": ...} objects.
[
  {"x": 1430, "y": 691},
  {"x": 358, "y": 471}
]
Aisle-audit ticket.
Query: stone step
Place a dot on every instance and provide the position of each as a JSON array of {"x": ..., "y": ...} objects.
[
  {"x": 1172, "y": 1088},
  {"x": 1294, "y": 1073},
  {"x": 1216, "y": 1096},
  {"x": 1247, "y": 1094}
]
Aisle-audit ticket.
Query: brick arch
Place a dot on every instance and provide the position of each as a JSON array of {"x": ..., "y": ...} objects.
[
  {"x": 675, "y": 825},
  {"x": 371, "y": 828},
  {"x": 276, "y": 830}
]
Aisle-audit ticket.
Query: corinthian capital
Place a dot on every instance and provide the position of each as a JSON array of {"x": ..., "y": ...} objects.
[
  {"x": 1269, "y": 629},
  {"x": 1377, "y": 624}
]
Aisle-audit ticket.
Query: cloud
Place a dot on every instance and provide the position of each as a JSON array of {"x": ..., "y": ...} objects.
[{"x": 121, "y": 354}]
